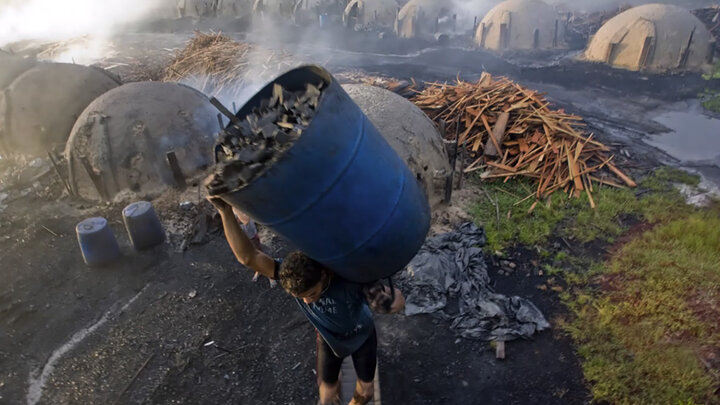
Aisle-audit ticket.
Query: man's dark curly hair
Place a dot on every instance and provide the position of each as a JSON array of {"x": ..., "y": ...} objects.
[{"x": 299, "y": 273}]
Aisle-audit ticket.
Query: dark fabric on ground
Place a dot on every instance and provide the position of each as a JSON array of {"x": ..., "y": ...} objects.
[{"x": 449, "y": 277}]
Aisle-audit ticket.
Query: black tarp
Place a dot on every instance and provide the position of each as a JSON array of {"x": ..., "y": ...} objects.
[{"x": 449, "y": 277}]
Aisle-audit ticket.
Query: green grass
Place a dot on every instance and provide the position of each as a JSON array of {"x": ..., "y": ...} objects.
[
  {"x": 507, "y": 219},
  {"x": 711, "y": 102},
  {"x": 711, "y": 98},
  {"x": 639, "y": 335},
  {"x": 642, "y": 321},
  {"x": 714, "y": 73}
]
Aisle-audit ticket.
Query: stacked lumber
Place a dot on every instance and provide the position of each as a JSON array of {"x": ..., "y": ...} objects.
[
  {"x": 710, "y": 16},
  {"x": 510, "y": 131},
  {"x": 587, "y": 24},
  {"x": 219, "y": 66}
]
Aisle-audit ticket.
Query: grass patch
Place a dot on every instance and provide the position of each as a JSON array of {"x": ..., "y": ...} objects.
[
  {"x": 714, "y": 73},
  {"x": 643, "y": 323},
  {"x": 508, "y": 220},
  {"x": 710, "y": 99}
]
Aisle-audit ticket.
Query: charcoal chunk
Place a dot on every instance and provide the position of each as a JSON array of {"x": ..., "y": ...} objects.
[{"x": 247, "y": 149}]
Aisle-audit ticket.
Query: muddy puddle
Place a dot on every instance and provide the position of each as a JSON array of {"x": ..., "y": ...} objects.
[{"x": 693, "y": 137}]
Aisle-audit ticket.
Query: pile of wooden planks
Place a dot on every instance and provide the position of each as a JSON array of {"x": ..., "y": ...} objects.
[
  {"x": 710, "y": 16},
  {"x": 587, "y": 24},
  {"x": 510, "y": 131}
]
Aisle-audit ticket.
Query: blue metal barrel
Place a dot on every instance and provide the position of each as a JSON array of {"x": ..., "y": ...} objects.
[
  {"x": 340, "y": 194},
  {"x": 97, "y": 241},
  {"x": 143, "y": 225}
]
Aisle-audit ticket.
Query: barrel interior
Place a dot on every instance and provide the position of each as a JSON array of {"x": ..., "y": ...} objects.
[{"x": 292, "y": 81}]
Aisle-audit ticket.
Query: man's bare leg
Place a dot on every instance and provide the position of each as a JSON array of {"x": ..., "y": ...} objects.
[
  {"x": 364, "y": 392},
  {"x": 330, "y": 393}
]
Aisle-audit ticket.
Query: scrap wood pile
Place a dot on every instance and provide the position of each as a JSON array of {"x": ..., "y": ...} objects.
[
  {"x": 710, "y": 16},
  {"x": 217, "y": 65},
  {"x": 587, "y": 24},
  {"x": 510, "y": 131}
]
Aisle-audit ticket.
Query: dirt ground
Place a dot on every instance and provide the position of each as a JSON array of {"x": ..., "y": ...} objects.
[
  {"x": 155, "y": 313},
  {"x": 184, "y": 323}
]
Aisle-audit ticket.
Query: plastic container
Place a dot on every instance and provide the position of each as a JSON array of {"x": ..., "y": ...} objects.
[
  {"x": 340, "y": 194},
  {"x": 143, "y": 225},
  {"x": 97, "y": 242}
]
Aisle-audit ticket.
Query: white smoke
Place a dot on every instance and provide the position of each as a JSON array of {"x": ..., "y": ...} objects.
[
  {"x": 611, "y": 5},
  {"x": 471, "y": 12},
  {"x": 468, "y": 9},
  {"x": 56, "y": 20}
]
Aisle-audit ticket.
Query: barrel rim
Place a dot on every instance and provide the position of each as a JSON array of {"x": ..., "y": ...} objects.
[{"x": 95, "y": 222}]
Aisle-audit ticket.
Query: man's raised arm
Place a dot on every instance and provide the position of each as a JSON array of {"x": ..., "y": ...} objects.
[{"x": 243, "y": 248}]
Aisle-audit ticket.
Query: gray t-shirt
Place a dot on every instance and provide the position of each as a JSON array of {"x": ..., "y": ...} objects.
[{"x": 342, "y": 316}]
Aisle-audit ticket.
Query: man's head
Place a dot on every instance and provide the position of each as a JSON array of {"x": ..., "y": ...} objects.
[{"x": 303, "y": 277}]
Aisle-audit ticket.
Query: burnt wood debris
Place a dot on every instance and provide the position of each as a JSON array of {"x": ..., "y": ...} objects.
[{"x": 250, "y": 146}]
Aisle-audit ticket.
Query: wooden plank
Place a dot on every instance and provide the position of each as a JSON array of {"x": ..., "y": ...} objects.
[
  {"x": 497, "y": 136},
  {"x": 502, "y": 166},
  {"x": 627, "y": 180},
  {"x": 589, "y": 194},
  {"x": 348, "y": 379},
  {"x": 472, "y": 125},
  {"x": 605, "y": 181},
  {"x": 487, "y": 175},
  {"x": 532, "y": 207},
  {"x": 486, "y": 123},
  {"x": 500, "y": 350},
  {"x": 574, "y": 172}
]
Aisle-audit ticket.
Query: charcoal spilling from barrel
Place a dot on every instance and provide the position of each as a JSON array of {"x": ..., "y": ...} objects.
[{"x": 249, "y": 147}]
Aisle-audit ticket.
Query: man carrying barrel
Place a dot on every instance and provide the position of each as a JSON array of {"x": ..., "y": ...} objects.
[{"x": 338, "y": 309}]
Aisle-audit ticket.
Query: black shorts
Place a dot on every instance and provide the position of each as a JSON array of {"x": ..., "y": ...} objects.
[{"x": 364, "y": 360}]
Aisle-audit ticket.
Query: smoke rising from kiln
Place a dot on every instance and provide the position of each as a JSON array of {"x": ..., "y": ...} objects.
[{"x": 55, "y": 20}]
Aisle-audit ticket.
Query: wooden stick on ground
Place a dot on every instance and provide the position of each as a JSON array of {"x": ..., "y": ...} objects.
[
  {"x": 135, "y": 376},
  {"x": 621, "y": 175},
  {"x": 57, "y": 171},
  {"x": 500, "y": 350}
]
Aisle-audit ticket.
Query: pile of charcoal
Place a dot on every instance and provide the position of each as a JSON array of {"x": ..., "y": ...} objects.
[{"x": 248, "y": 147}]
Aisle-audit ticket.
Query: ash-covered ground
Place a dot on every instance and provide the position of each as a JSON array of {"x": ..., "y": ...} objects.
[{"x": 184, "y": 323}]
